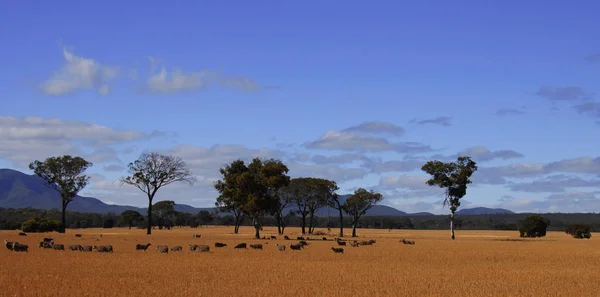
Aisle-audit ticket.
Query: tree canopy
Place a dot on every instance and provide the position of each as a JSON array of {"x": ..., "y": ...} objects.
[
  {"x": 65, "y": 175},
  {"x": 454, "y": 177},
  {"x": 358, "y": 203}
]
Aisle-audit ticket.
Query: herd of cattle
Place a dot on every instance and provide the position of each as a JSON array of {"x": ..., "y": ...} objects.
[{"x": 48, "y": 243}]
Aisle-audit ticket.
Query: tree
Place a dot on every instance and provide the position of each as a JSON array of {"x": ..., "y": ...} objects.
[
  {"x": 130, "y": 217},
  {"x": 65, "y": 175},
  {"x": 579, "y": 231},
  {"x": 309, "y": 194},
  {"x": 152, "y": 171},
  {"x": 335, "y": 203},
  {"x": 205, "y": 217},
  {"x": 264, "y": 181},
  {"x": 231, "y": 197},
  {"x": 534, "y": 226},
  {"x": 282, "y": 202},
  {"x": 358, "y": 203},
  {"x": 164, "y": 211},
  {"x": 454, "y": 178}
]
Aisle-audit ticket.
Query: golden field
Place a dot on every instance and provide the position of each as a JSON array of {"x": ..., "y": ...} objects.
[{"x": 478, "y": 263}]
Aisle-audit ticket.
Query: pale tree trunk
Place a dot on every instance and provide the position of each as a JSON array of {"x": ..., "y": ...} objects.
[
  {"x": 256, "y": 228},
  {"x": 452, "y": 225}
]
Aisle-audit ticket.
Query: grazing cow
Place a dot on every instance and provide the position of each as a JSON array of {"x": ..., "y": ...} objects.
[
  {"x": 280, "y": 248},
  {"x": 59, "y": 247},
  {"x": 372, "y": 241},
  {"x": 177, "y": 248},
  {"x": 22, "y": 234},
  {"x": 341, "y": 243},
  {"x": 143, "y": 247},
  {"x": 75, "y": 247},
  {"x": 296, "y": 247},
  {"x": 407, "y": 241},
  {"x": 48, "y": 239},
  {"x": 86, "y": 248},
  {"x": 17, "y": 247},
  {"x": 46, "y": 245},
  {"x": 197, "y": 235},
  {"x": 220, "y": 244},
  {"x": 163, "y": 249},
  {"x": 77, "y": 235},
  {"x": 286, "y": 237},
  {"x": 354, "y": 243},
  {"x": 337, "y": 250},
  {"x": 364, "y": 243},
  {"x": 193, "y": 247},
  {"x": 256, "y": 246},
  {"x": 203, "y": 248},
  {"x": 240, "y": 246},
  {"x": 273, "y": 237}
]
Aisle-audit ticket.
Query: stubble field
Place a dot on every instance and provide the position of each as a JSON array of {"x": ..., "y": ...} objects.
[{"x": 478, "y": 263}]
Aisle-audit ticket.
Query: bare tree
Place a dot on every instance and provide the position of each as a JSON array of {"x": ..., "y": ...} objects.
[{"x": 152, "y": 171}]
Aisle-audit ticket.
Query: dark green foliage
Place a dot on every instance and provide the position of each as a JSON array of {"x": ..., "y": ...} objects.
[
  {"x": 579, "y": 231},
  {"x": 130, "y": 218},
  {"x": 252, "y": 190},
  {"x": 152, "y": 171},
  {"x": 454, "y": 177},
  {"x": 164, "y": 212},
  {"x": 65, "y": 175},
  {"x": 38, "y": 224},
  {"x": 205, "y": 217},
  {"x": 534, "y": 226},
  {"x": 309, "y": 194},
  {"x": 108, "y": 223},
  {"x": 358, "y": 204}
]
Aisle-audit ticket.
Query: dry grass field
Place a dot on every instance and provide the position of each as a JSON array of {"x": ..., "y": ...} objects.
[{"x": 478, "y": 263}]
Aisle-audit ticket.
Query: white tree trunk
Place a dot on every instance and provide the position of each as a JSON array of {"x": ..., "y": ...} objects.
[{"x": 452, "y": 225}]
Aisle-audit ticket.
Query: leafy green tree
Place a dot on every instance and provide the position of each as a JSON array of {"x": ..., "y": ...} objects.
[
  {"x": 131, "y": 218},
  {"x": 164, "y": 211},
  {"x": 65, "y": 175},
  {"x": 454, "y": 178},
  {"x": 534, "y": 226},
  {"x": 231, "y": 196},
  {"x": 309, "y": 194},
  {"x": 358, "y": 204},
  {"x": 37, "y": 224},
  {"x": 205, "y": 217},
  {"x": 253, "y": 189},
  {"x": 152, "y": 171},
  {"x": 579, "y": 231}
]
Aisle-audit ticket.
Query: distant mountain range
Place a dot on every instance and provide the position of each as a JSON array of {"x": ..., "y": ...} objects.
[{"x": 20, "y": 190}]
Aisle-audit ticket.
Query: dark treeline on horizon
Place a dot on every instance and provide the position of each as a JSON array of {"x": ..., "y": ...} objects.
[{"x": 11, "y": 219}]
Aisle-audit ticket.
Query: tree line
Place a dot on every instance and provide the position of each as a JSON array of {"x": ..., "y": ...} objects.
[
  {"x": 252, "y": 191},
  {"x": 12, "y": 219}
]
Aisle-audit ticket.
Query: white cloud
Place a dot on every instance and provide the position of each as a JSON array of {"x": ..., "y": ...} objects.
[
  {"x": 25, "y": 139},
  {"x": 348, "y": 141},
  {"x": 79, "y": 73}
]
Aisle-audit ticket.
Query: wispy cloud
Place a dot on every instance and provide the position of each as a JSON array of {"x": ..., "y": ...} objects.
[
  {"x": 441, "y": 120},
  {"x": 509, "y": 111},
  {"x": 79, "y": 73}
]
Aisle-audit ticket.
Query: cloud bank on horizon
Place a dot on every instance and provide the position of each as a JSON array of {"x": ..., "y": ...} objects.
[{"x": 364, "y": 110}]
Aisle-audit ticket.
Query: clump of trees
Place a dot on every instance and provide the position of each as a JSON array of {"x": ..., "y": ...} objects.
[
  {"x": 65, "y": 175},
  {"x": 534, "y": 226},
  {"x": 579, "y": 231},
  {"x": 358, "y": 204},
  {"x": 130, "y": 218},
  {"x": 38, "y": 224},
  {"x": 253, "y": 190},
  {"x": 454, "y": 178}
]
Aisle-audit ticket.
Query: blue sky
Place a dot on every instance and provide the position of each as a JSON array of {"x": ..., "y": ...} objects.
[{"x": 359, "y": 93}]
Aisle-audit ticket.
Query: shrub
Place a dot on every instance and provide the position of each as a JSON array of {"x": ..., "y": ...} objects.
[
  {"x": 534, "y": 226},
  {"x": 37, "y": 224},
  {"x": 579, "y": 231}
]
